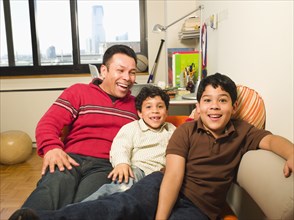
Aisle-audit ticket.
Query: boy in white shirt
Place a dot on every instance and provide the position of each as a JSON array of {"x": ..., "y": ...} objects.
[{"x": 139, "y": 147}]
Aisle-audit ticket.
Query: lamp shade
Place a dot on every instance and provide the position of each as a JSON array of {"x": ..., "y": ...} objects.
[{"x": 158, "y": 28}]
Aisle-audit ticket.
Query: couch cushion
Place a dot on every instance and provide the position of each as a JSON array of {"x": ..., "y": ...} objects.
[
  {"x": 176, "y": 120},
  {"x": 250, "y": 107},
  {"x": 261, "y": 175}
]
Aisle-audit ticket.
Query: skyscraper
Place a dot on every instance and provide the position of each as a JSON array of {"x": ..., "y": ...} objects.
[{"x": 98, "y": 32}]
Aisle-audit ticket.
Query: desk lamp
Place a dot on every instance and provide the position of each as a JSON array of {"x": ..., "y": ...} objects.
[{"x": 159, "y": 28}]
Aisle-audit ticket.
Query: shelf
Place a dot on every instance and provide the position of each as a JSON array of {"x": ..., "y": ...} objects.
[{"x": 188, "y": 35}]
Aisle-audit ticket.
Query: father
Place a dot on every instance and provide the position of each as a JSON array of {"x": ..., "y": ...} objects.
[{"x": 76, "y": 167}]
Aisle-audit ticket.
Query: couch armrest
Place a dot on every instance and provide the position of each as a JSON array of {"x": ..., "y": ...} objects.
[{"x": 261, "y": 175}]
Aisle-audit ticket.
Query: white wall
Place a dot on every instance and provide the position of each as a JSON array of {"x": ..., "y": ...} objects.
[
  {"x": 22, "y": 110},
  {"x": 253, "y": 45}
]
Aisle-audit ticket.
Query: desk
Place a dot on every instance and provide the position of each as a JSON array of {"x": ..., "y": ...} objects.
[
  {"x": 178, "y": 100},
  {"x": 178, "y": 104}
]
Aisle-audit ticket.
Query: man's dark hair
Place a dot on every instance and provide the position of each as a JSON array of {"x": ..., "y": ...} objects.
[
  {"x": 118, "y": 48},
  {"x": 215, "y": 81},
  {"x": 151, "y": 91}
]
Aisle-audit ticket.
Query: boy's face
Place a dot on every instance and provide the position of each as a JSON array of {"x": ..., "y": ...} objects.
[
  {"x": 119, "y": 76},
  {"x": 154, "y": 112},
  {"x": 215, "y": 109}
]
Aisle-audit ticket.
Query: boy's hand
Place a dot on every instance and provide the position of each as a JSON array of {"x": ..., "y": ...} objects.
[
  {"x": 120, "y": 172},
  {"x": 288, "y": 168},
  {"x": 59, "y": 158}
]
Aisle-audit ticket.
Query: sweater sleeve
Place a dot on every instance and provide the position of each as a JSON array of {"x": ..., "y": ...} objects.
[
  {"x": 122, "y": 145},
  {"x": 61, "y": 113}
]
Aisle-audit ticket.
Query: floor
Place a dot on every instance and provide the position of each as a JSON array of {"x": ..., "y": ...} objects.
[{"x": 17, "y": 182}]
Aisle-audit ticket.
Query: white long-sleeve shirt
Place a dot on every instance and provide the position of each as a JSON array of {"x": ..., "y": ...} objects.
[{"x": 138, "y": 145}]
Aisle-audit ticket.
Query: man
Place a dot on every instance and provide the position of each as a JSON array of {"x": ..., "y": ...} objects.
[{"x": 94, "y": 113}]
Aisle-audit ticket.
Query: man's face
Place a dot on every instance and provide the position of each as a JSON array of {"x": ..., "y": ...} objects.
[
  {"x": 153, "y": 112},
  {"x": 215, "y": 109},
  {"x": 119, "y": 76}
]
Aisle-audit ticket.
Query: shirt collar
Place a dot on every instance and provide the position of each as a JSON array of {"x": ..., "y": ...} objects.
[
  {"x": 228, "y": 130},
  {"x": 145, "y": 127}
]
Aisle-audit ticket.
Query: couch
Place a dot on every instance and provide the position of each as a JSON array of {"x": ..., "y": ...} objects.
[{"x": 260, "y": 191}]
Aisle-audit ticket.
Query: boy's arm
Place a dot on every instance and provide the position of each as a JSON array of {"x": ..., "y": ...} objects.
[
  {"x": 171, "y": 185},
  {"x": 282, "y": 147},
  {"x": 120, "y": 154}
]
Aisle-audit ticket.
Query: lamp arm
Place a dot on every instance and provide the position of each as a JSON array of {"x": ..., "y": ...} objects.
[{"x": 197, "y": 9}]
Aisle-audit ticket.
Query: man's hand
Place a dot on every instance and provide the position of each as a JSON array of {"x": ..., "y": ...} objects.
[
  {"x": 120, "y": 172},
  {"x": 288, "y": 168},
  {"x": 59, "y": 158}
]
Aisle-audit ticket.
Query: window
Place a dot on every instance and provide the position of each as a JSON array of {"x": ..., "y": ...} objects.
[{"x": 63, "y": 37}]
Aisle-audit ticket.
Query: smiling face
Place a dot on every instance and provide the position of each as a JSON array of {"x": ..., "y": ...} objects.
[
  {"x": 153, "y": 112},
  {"x": 119, "y": 75},
  {"x": 215, "y": 109}
]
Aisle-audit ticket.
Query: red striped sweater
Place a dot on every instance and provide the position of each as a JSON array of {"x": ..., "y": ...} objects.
[{"x": 93, "y": 118}]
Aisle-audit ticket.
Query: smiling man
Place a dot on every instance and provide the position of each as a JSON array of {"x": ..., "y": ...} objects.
[{"x": 76, "y": 167}]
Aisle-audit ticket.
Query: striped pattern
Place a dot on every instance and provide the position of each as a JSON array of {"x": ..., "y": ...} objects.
[
  {"x": 67, "y": 105},
  {"x": 93, "y": 109},
  {"x": 250, "y": 107}
]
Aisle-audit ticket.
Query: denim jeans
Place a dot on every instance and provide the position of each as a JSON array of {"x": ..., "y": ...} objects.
[
  {"x": 115, "y": 186},
  {"x": 184, "y": 209},
  {"x": 58, "y": 189},
  {"x": 138, "y": 203}
]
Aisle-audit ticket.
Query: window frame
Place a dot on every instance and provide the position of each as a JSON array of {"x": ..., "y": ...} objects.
[{"x": 36, "y": 68}]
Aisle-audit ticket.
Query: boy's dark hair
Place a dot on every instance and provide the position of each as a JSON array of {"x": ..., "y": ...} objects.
[
  {"x": 215, "y": 81},
  {"x": 118, "y": 48},
  {"x": 151, "y": 91}
]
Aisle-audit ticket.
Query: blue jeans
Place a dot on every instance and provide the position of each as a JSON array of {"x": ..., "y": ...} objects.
[
  {"x": 138, "y": 203},
  {"x": 184, "y": 209},
  {"x": 58, "y": 189},
  {"x": 115, "y": 186}
]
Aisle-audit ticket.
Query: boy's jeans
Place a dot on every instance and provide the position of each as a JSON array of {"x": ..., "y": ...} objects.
[{"x": 108, "y": 189}]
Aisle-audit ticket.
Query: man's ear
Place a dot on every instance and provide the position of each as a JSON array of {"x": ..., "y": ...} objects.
[{"x": 103, "y": 71}]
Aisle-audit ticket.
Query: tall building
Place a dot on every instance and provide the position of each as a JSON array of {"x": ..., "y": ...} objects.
[
  {"x": 98, "y": 32},
  {"x": 123, "y": 37},
  {"x": 50, "y": 52}
]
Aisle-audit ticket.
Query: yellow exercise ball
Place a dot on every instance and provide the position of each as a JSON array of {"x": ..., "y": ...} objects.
[{"x": 15, "y": 147}]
